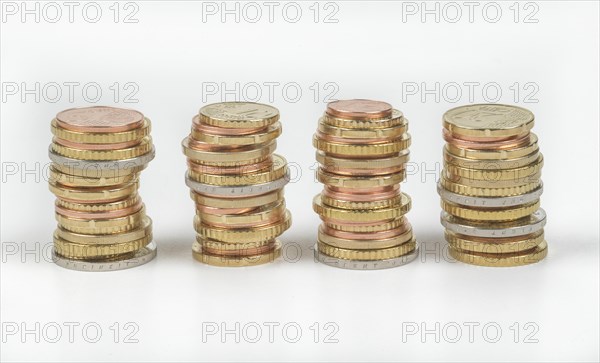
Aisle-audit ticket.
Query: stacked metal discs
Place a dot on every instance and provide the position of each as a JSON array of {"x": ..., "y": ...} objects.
[
  {"x": 490, "y": 186},
  {"x": 237, "y": 184},
  {"x": 97, "y": 155},
  {"x": 362, "y": 149}
]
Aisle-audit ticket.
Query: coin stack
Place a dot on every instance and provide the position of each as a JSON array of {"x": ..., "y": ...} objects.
[
  {"x": 97, "y": 155},
  {"x": 490, "y": 186},
  {"x": 362, "y": 149},
  {"x": 237, "y": 184}
]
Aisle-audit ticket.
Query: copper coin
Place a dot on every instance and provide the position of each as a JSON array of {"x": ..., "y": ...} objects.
[
  {"x": 512, "y": 143},
  {"x": 221, "y": 211},
  {"x": 359, "y": 109},
  {"x": 203, "y": 146},
  {"x": 225, "y": 131},
  {"x": 347, "y": 140},
  {"x": 367, "y": 236},
  {"x": 363, "y": 172},
  {"x": 363, "y": 197},
  {"x": 106, "y": 147},
  {"x": 99, "y": 119}
]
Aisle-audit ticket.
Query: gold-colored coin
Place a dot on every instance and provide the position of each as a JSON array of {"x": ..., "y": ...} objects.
[
  {"x": 261, "y": 215},
  {"x": 342, "y": 181},
  {"x": 367, "y": 255},
  {"x": 277, "y": 170},
  {"x": 489, "y": 192},
  {"x": 93, "y": 195},
  {"x": 495, "y": 184},
  {"x": 494, "y": 245},
  {"x": 533, "y": 255},
  {"x": 393, "y": 132},
  {"x": 242, "y": 235},
  {"x": 271, "y": 133},
  {"x": 101, "y": 226},
  {"x": 234, "y": 261},
  {"x": 493, "y": 175},
  {"x": 369, "y": 244},
  {"x": 98, "y": 207},
  {"x": 507, "y": 154},
  {"x": 144, "y": 147},
  {"x": 246, "y": 115},
  {"x": 488, "y": 120},
  {"x": 87, "y": 182},
  {"x": 246, "y": 202},
  {"x": 241, "y": 156},
  {"x": 373, "y": 204},
  {"x": 396, "y": 119},
  {"x": 490, "y": 214},
  {"x": 101, "y": 138},
  {"x": 145, "y": 229},
  {"x": 361, "y": 215},
  {"x": 97, "y": 251},
  {"x": 355, "y": 149},
  {"x": 364, "y": 227},
  {"x": 226, "y": 246},
  {"x": 95, "y": 173},
  {"x": 490, "y": 163},
  {"x": 334, "y": 163}
]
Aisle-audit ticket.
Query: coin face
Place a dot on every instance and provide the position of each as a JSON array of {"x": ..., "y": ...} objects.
[
  {"x": 359, "y": 109},
  {"x": 239, "y": 114},
  {"x": 99, "y": 119},
  {"x": 488, "y": 120}
]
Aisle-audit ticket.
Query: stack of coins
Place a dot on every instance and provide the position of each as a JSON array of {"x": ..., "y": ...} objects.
[
  {"x": 362, "y": 149},
  {"x": 490, "y": 186},
  {"x": 237, "y": 184},
  {"x": 97, "y": 155}
]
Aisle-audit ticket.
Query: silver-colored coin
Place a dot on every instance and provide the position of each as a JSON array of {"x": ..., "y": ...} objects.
[
  {"x": 490, "y": 202},
  {"x": 244, "y": 190},
  {"x": 366, "y": 265},
  {"x": 531, "y": 224},
  {"x": 111, "y": 165},
  {"x": 141, "y": 257}
]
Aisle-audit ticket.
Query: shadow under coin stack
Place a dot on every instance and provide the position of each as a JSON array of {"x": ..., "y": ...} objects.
[
  {"x": 237, "y": 184},
  {"x": 490, "y": 186},
  {"x": 362, "y": 149},
  {"x": 97, "y": 155}
]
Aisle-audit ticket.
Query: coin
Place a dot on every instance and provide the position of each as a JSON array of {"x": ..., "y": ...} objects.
[
  {"x": 527, "y": 257},
  {"x": 488, "y": 120},
  {"x": 235, "y": 261},
  {"x": 239, "y": 115},
  {"x": 359, "y": 109},
  {"x": 99, "y": 119}
]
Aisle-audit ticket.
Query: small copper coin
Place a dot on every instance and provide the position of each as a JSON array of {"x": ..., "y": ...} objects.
[
  {"x": 99, "y": 119},
  {"x": 359, "y": 109}
]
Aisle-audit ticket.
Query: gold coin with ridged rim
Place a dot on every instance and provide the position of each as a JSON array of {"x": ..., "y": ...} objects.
[
  {"x": 527, "y": 257},
  {"x": 101, "y": 137},
  {"x": 489, "y": 174},
  {"x": 241, "y": 235},
  {"x": 495, "y": 184},
  {"x": 488, "y": 192},
  {"x": 234, "y": 261},
  {"x": 226, "y": 246},
  {"x": 244, "y": 156},
  {"x": 494, "y": 245},
  {"x": 490, "y": 214},
  {"x": 490, "y": 164},
  {"x": 365, "y": 228},
  {"x": 362, "y": 244},
  {"x": 271, "y": 133},
  {"x": 144, "y": 147},
  {"x": 488, "y": 120},
  {"x": 396, "y": 119},
  {"x": 102, "y": 226},
  {"x": 362, "y": 215},
  {"x": 393, "y": 132},
  {"x": 359, "y": 182},
  {"x": 247, "y": 202},
  {"x": 354, "y": 149},
  {"x": 87, "y": 182},
  {"x": 367, "y": 164},
  {"x": 350, "y": 204},
  {"x": 508, "y": 154},
  {"x": 276, "y": 171},
  {"x": 97, "y": 251},
  {"x": 247, "y": 115},
  {"x": 93, "y": 195},
  {"x": 94, "y": 173},
  {"x": 367, "y": 255},
  {"x": 98, "y": 207},
  {"x": 142, "y": 231},
  {"x": 261, "y": 214}
]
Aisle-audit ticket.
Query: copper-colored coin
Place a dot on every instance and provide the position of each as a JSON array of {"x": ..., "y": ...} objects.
[
  {"x": 359, "y": 109},
  {"x": 361, "y": 197},
  {"x": 230, "y": 170},
  {"x": 367, "y": 236},
  {"x": 99, "y": 119},
  {"x": 103, "y": 147}
]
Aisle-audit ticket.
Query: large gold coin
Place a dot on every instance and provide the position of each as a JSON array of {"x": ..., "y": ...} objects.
[
  {"x": 97, "y": 251},
  {"x": 244, "y": 235},
  {"x": 243, "y": 202},
  {"x": 88, "y": 181},
  {"x": 360, "y": 182},
  {"x": 94, "y": 195},
  {"x": 457, "y": 173},
  {"x": 362, "y": 150},
  {"x": 277, "y": 170},
  {"x": 494, "y": 245},
  {"x": 246, "y": 115},
  {"x": 489, "y": 192},
  {"x": 365, "y": 244},
  {"x": 362, "y": 215},
  {"x": 142, "y": 231},
  {"x": 488, "y": 120},
  {"x": 527, "y": 257},
  {"x": 490, "y": 214},
  {"x": 144, "y": 147},
  {"x": 101, "y": 226},
  {"x": 235, "y": 261},
  {"x": 367, "y": 255}
]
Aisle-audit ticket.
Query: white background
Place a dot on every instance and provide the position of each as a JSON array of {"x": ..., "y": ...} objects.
[{"x": 371, "y": 52}]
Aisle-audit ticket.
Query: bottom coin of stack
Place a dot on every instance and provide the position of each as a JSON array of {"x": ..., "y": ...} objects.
[
  {"x": 362, "y": 149},
  {"x": 102, "y": 222},
  {"x": 490, "y": 187},
  {"x": 237, "y": 184}
]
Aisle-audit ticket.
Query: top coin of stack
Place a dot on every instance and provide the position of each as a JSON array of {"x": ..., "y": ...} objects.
[
  {"x": 490, "y": 186},
  {"x": 97, "y": 154},
  {"x": 362, "y": 149},
  {"x": 237, "y": 183}
]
